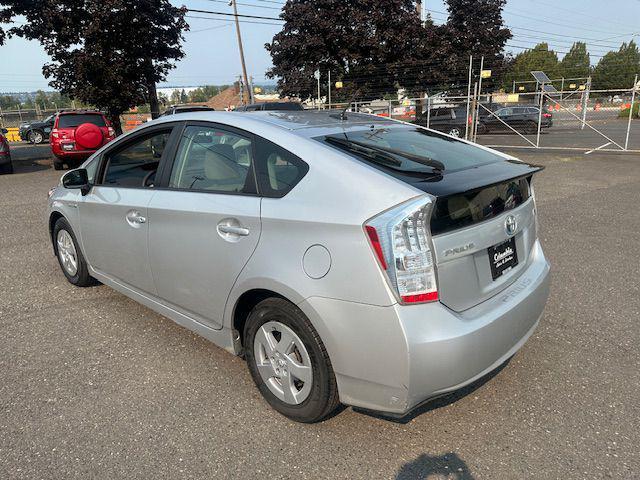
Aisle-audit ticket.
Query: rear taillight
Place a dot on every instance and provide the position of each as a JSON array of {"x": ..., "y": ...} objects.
[
  {"x": 546, "y": 115},
  {"x": 400, "y": 238},
  {"x": 54, "y": 133}
]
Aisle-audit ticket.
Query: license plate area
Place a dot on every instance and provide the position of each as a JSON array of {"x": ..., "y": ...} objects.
[{"x": 503, "y": 257}]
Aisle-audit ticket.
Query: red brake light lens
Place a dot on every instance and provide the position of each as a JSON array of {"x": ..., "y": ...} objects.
[
  {"x": 375, "y": 243},
  {"x": 400, "y": 238}
]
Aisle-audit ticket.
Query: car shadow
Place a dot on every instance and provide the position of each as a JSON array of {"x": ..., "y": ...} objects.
[
  {"x": 437, "y": 402},
  {"x": 28, "y": 167},
  {"x": 449, "y": 466}
]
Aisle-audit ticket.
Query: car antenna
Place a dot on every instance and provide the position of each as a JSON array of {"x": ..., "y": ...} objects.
[{"x": 343, "y": 113}]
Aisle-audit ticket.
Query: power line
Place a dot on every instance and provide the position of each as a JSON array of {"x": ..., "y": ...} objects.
[
  {"x": 246, "y": 4},
  {"x": 259, "y": 17}
]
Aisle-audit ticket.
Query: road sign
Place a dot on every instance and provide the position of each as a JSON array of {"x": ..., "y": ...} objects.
[
  {"x": 572, "y": 85},
  {"x": 485, "y": 73},
  {"x": 316, "y": 74},
  {"x": 521, "y": 88},
  {"x": 339, "y": 85}
]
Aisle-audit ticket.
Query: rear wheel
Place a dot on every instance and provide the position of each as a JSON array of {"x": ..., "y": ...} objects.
[
  {"x": 69, "y": 255},
  {"x": 531, "y": 128},
  {"x": 288, "y": 361},
  {"x": 455, "y": 132},
  {"x": 7, "y": 168},
  {"x": 36, "y": 137},
  {"x": 58, "y": 165}
]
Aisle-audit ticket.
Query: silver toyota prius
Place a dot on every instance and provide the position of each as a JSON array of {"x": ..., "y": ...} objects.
[{"x": 349, "y": 258}]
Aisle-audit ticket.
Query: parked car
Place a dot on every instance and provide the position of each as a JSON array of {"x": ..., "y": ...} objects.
[
  {"x": 38, "y": 131},
  {"x": 270, "y": 106},
  {"x": 349, "y": 258},
  {"x": 450, "y": 120},
  {"x": 522, "y": 118},
  {"x": 5, "y": 153},
  {"x": 174, "y": 109},
  {"x": 76, "y": 135}
]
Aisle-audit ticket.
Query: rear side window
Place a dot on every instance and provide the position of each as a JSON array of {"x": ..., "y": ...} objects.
[
  {"x": 69, "y": 121},
  {"x": 136, "y": 164},
  {"x": 278, "y": 169},
  {"x": 215, "y": 160}
]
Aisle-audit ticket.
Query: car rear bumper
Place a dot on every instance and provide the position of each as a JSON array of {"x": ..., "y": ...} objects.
[
  {"x": 392, "y": 359},
  {"x": 72, "y": 154}
]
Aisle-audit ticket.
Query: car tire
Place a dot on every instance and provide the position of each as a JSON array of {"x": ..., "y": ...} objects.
[
  {"x": 36, "y": 137},
  {"x": 454, "y": 132},
  {"x": 58, "y": 165},
  {"x": 531, "y": 128},
  {"x": 68, "y": 253},
  {"x": 274, "y": 362},
  {"x": 6, "y": 169}
]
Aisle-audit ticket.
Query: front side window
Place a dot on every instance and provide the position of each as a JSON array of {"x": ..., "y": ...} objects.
[
  {"x": 136, "y": 164},
  {"x": 212, "y": 159}
]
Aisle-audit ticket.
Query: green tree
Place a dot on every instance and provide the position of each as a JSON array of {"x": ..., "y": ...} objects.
[
  {"x": 108, "y": 53},
  {"x": 617, "y": 69},
  {"x": 356, "y": 39},
  {"x": 538, "y": 58},
  {"x": 576, "y": 63},
  {"x": 476, "y": 27}
]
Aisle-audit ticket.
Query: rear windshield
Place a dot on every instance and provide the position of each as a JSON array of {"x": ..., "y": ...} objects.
[
  {"x": 422, "y": 147},
  {"x": 283, "y": 106},
  {"x": 67, "y": 121}
]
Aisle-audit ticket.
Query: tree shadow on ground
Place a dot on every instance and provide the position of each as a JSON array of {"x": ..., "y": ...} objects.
[
  {"x": 426, "y": 467},
  {"x": 439, "y": 402}
]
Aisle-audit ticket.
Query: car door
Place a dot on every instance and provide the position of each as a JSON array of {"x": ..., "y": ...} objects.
[
  {"x": 114, "y": 216},
  {"x": 204, "y": 220}
]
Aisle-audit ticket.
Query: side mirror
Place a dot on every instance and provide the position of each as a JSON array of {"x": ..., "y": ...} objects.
[{"x": 78, "y": 178}]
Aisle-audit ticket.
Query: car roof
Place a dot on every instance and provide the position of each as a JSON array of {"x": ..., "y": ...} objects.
[
  {"x": 80, "y": 112},
  {"x": 304, "y": 123}
]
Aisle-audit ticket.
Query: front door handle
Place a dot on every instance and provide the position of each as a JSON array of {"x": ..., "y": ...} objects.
[{"x": 233, "y": 230}]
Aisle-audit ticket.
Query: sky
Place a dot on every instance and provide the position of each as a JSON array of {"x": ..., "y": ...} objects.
[{"x": 212, "y": 51}]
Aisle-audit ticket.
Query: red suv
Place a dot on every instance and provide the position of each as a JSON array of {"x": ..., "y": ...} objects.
[{"x": 78, "y": 134}]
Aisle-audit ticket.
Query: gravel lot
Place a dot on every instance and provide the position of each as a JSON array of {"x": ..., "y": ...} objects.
[{"x": 94, "y": 385}]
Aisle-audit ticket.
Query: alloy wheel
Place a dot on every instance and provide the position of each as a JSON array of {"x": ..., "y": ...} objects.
[
  {"x": 67, "y": 253},
  {"x": 36, "y": 137},
  {"x": 283, "y": 362}
]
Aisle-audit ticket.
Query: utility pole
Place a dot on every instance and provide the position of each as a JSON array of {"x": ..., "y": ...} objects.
[
  {"x": 244, "y": 67},
  {"x": 466, "y": 130},
  {"x": 329, "y": 90},
  {"x": 251, "y": 95}
]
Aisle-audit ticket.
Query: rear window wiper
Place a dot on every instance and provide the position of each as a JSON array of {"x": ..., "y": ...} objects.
[
  {"x": 384, "y": 156},
  {"x": 430, "y": 162},
  {"x": 369, "y": 153}
]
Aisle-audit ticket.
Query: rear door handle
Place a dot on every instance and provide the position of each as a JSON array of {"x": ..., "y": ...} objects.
[
  {"x": 233, "y": 230},
  {"x": 135, "y": 218}
]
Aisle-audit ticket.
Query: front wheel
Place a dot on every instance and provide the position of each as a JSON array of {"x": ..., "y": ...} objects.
[
  {"x": 36, "y": 137},
  {"x": 70, "y": 258},
  {"x": 288, "y": 361}
]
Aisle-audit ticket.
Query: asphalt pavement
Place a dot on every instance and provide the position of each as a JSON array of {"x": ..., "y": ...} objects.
[{"x": 94, "y": 385}]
